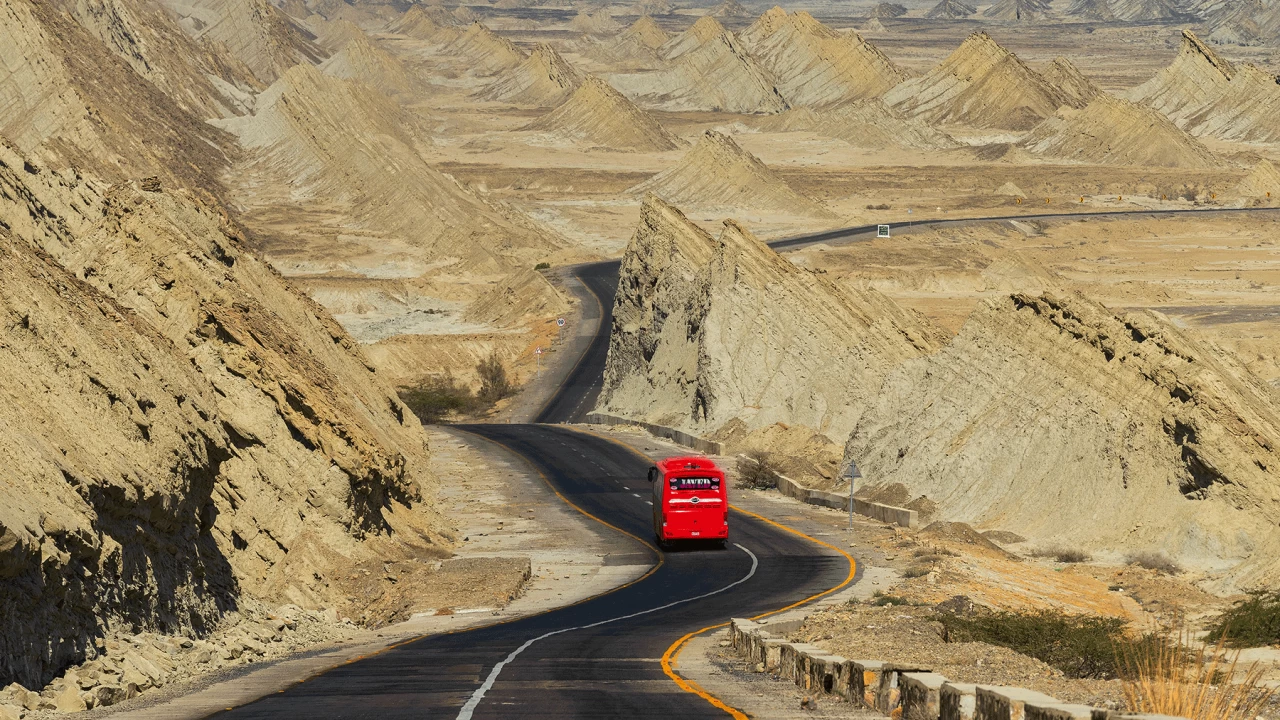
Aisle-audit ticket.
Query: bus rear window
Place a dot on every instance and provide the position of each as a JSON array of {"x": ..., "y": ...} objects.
[{"x": 694, "y": 483}]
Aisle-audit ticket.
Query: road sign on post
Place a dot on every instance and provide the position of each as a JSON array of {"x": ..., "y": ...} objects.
[
  {"x": 559, "y": 322},
  {"x": 882, "y": 231}
]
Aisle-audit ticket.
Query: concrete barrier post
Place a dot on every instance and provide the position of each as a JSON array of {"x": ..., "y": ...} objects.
[
  {"x": 739, "y": 632},
  {"x": 921, "y": 699},
  {"x": 845, "y": 686},
  {"x": 1007, "y": 703},
  {"x": 773, "y": 654},
  {"x": 829, "y": 672},
  {"x": 889, "y": 694},
  {"x": 1064, "y": 711},
  {"x": 958, "y": 701},
  {"x": 866, "y": 680}
]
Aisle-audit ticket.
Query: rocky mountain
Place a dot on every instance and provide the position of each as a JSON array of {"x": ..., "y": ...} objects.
[
  {"x": 544, "y": 79},
  {"x": 486, "y": 52},
  {"x": 709, "y": 70},
  {"x": 322, "y": 137},
  {"x": 887, "y": 10},
  {"x": 814, "y": 65},
  {"x": 361, "y": 60},
  {"x": 1058, "y": 419},
  {"x": 951, "y": 10},
  {"x": 1243, "y": 22},
  {"x": 599, "y": 115},
  {"x": 1261, "y": 185},
  {"x": 418, "y": 23},
  {"x": 255, "y": 32},
  {"x": 597, "y": 23},
  {"x": 711, "y": 331},
  {"x": 647, "y": 33},
  {"x": 68, "y": 98},
  {"x": 718, "y": 173},
  {"x": 1112, "y": 131},
  {"x": 1064, "y": 76},
  {"x": 866, "y": 124},
  {"x": 1019, "y": 10},
  {"x": 1099, "y": 10},
  {"x": 1207, "y": 95},
  {"x": 980, "y": 84},
  {"x": 205, "y": 432}
]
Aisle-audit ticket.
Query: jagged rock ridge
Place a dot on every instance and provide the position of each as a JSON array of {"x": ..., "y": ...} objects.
[
  {"x": 814, "y": 65},
  {"x": 1207, "y": 95},
  {"x": 254, "y": 31},
  {"x": 712, "y": 331},
  {"x": 544, "y": 79},
  {"x": 951, "y": 10},
  {"x": 1112, "y": 131},
  {"x": 599, "y": 115},
  {"x": 718, "y": 173},
  {"x": 980, "y": 84},
  {"x": 1057, "y": 419}
]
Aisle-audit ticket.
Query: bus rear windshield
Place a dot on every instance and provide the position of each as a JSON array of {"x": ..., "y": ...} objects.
[{"x": 694, "y": 483}]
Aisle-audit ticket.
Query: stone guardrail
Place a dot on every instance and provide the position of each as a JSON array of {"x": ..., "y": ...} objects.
[
  {"x": 909, "y": 692},
  {"x": 884, "y": 513}
]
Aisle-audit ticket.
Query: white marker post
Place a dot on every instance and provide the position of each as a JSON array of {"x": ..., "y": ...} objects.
[{"x": 537, "y": 361}]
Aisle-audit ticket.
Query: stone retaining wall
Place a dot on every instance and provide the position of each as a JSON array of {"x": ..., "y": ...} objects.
[{"x": 906, "y": 691}]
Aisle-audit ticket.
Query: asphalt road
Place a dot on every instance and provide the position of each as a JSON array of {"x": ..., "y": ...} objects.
[
  {"x": 602, "y": 657},
  {"x": 597, "y": 659}
]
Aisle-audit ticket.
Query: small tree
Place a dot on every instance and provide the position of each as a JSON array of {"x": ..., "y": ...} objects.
[
  {"x": 494, "y": 383},
  {"x": 757, "y": 471}
]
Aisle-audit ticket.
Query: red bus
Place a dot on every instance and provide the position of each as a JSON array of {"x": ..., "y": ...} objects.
[{"x": 690, "y": 501}]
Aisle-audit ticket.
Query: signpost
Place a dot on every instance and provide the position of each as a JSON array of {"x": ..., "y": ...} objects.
[
  {"x": 882, "y": 231},
  {"x": 537, "y": 360},
  {"x": 852, "y": 473}
]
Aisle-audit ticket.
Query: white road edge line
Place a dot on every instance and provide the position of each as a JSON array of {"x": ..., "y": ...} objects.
[{"x": 487, "y": 685}]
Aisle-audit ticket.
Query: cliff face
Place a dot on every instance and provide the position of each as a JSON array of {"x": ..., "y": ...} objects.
[
  {"x": 180, "y": 428},
  {"x": 707, "y": 331},
  {"x": 1057, "y": 419}
]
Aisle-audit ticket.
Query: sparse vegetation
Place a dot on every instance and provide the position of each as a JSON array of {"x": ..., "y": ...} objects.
[
  {"x": 880, "y": 599},
  {"x": 916, "y": 571},
  {"x": 442, "y": 397},
  {"x": 1081, "y": 646},
  {"x": 1154, "y": 560},
  {"x": 1176, "y": 675},
  {"x": 1062, "y": 555},
  {"x": 756, "y": 471},
  {"x": 542, "y": 266},
  {"x": 1252, "y": 622},
  {"x": 494, "y": 383},
  {"x": 881, "y": 206}
]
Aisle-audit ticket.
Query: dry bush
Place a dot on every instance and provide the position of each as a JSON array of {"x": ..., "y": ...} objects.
[
  {"x": 1252, "y": 622},
  {"x": 1063, "y": 555},
  {"x": 1153, "y": 560},
  {"x": 1189, "y": 678},
  {"x": 494, "y": 382},
  {"x": 917, "y": 571},
  {"x": 757, "y": 471}
]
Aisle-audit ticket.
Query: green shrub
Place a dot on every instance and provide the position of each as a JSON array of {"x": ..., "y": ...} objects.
[
  {"x": 494, "y": 383},
  {"x": 542, "y": 266},
  {"x": 1081, "y": 646},
  {"x": 882, "y": 600},
  {"x": 757, "y": 471},
  {"x": 1252, "y": 622},
  {"x": 438, "y": 397},
  {"x": 916, "y": 571}
]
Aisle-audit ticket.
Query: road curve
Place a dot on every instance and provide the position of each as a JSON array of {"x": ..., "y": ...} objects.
[
  {"x": 599, "y": 658},
  {"x": 578, "y": 395}
]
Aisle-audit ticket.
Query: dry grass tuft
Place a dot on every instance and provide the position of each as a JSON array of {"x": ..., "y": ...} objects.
[{"x": 1188, "y": 678}]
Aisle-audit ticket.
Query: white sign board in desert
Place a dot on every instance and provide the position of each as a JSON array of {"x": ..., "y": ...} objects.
[{"x": 882, "y": 231}]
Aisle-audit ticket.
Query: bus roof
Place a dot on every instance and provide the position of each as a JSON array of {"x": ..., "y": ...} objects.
[{"x": 687, "y": 462}]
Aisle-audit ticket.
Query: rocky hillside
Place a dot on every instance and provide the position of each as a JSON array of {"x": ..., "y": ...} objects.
[
  {"x": 1065, "y": 76},
  {"x": 544, "y": 79},
  {"x": 486, "y": 52},
  {"x": 708, "y": 331},
  {"x": 1019, "y": 10},
  {"x": 1207, "y": 95},
  {"x": 206, "y": 433},
  {"x": 983, "y": 85},
  {"x": 255, "y": 32},
  {"x": 598, "y": 115},
  {"x": 1055, "y": 418},
  {"x": 814, "y": 65},
  {"x": 718, "y": 173},
  {"x": 1111, "y": 131},
  {"x": 951, "y": 10},
  {"x": 65, "y": 95},
  {"x": 322, "y": 137},
  {"x": 359, "y": 59},
  {"x": 709, "y": 70}
]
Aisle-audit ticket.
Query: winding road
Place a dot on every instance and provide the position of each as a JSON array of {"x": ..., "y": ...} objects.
[{"x": 614, "y": 655}]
